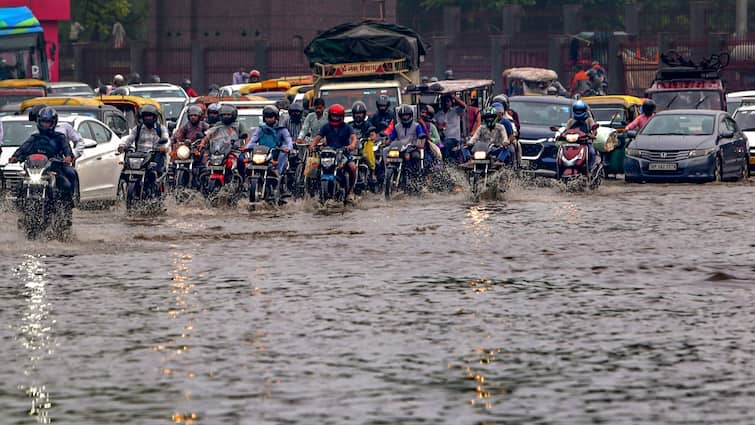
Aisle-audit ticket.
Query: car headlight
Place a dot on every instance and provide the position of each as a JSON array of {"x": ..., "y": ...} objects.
[
  {"x": 259, "y": 158},
  {"x": 571, "y": 138},
  {"x": 183, "y": 152},
  {"x": 394, "y": 153},
  {"x": 701, "y": 152},
  {"x": 480, "y": 155},
  {"x": 633, "y": 152}
]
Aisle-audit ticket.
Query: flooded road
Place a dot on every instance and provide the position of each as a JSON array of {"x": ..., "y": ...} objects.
[{"x": 630, "y": 305}]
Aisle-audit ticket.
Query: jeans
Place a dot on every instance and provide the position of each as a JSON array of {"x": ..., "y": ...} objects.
[
  {"x": 449, "y": 145},
  {"x": 154, "y": 172}
]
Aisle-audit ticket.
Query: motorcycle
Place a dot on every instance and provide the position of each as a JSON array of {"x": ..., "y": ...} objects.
[
  {"x": 133, "y": 182},
  {"x": 401, "y": 171},
  {"x": 40, "y": 202},
  {"x": 222, "y": 166},
  {"x": 573, "y": 158},
  {"x": 482, "y": 165},
  {"x": 363, "y": 181},
  {"x": 262, "y": 184},
  {"x": 295, "y": 176},
  {"x": 188, "y": 170},
  {"x": 334, "y": 180}
]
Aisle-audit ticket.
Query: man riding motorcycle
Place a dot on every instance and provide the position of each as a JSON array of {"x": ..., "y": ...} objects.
[
  {"x": 273, "y": 136},
  {"x": 229, "y": 130},
  {"x": 338, "y": 135},
  {"x": 52, "y": 144},
  {"x": 314, "y": 121},
  {"x": 147, "y": 136},
  {"x": 383, "y": 117},
  {"x": 294, "y": 120},
  {"x": 582, "y": 121},
  {"x": 408, "y": 132},
  {"x": 193, "y": 130},
  {"x": 363, "y": 129},
  {"x": 493, "y": 133},
  {"x": 213, "y": 114},
  {"x": 449, "y": 120}
]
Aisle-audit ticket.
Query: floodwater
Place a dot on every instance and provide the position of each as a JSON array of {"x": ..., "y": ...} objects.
[{"x": 631, "y": 305}]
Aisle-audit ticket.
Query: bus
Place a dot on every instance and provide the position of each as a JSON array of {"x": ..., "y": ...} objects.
[{"x": 22, "y": 45}]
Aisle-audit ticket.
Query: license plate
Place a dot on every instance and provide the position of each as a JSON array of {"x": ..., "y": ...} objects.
[
  {"x": 526, "y": 163},
  {"x": 662, "y": 166}
]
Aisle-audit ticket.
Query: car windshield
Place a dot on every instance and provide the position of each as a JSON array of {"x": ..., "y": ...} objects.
[
  {"x": 16, "y": 132},
  {"x": 679, "y": 125},
  {"x": 745, "y": 119},
  {"x": 686, "y": 99},
  {"x": 251, "y": 122},
  {"x": 157, "y": 93},
  {"x": 171, "y": 110},
  {"x": 272, "y": 95},
  {"x": 609, "y": 114},
  {"x": 540, "y": 113},
  {"x": 70, "y": 90},
  {"x": 347, "y": 97},
  {"x": 6, "y": 99}
]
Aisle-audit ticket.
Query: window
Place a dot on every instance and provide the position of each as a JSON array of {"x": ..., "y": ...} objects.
[
  {"x": 730, "y": 125},
  {"x": 85, "y": 131},
  {"x": 101, "y": 134},
  {"x": 117, "y": 123}
]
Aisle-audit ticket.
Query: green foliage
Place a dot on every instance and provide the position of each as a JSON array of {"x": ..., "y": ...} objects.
[{"x": 98, "y": 16}]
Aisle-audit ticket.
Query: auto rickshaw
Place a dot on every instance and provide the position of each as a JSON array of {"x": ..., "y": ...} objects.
[
  {"x": 614, "y": 111},
  {"x": 130, "y": 106},
  {"x": 23, "y": 83},
  {"x": 294, "y": 90},
  {"x": 55, "y": 101},
  {"x": 531, "y": 82}
]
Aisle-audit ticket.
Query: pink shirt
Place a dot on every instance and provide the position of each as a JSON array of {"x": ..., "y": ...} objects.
[{"x": 638, "y": 122}]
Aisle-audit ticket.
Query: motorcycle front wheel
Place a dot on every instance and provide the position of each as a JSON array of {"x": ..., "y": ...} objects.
[{"x": 388, "y": 183}]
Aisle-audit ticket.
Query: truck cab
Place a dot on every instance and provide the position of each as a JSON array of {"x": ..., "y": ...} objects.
[
  {"x": 366, "y": 91},
  {"x": 687, "y": 87}
]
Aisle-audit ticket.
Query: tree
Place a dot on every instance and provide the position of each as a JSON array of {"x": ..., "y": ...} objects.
[{"x": 98, "y": 16}]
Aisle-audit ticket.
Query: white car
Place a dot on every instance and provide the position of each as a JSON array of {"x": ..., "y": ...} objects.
[
  {"x": 738, "y": 98},
  {"x": 745, "y": 118},
  {"x": 99, "y": 166}
]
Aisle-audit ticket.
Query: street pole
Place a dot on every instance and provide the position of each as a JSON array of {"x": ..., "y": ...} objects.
[{"x": 741, "y": 19}]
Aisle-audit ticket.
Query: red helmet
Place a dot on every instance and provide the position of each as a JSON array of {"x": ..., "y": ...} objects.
[
  {"x": 336, "y": 114},
  {"x": 254, "y": 73}
]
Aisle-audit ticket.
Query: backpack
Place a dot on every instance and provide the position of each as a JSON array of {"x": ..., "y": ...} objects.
[{"x": 158, "y": 129}]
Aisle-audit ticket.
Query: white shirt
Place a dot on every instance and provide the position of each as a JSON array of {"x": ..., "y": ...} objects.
[{"x": 72, "y": 136}]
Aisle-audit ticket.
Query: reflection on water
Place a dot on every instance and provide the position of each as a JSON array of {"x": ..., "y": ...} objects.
[{"x": 34, "y": 335}]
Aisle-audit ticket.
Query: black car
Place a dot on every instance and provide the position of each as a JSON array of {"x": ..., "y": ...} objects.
[
  {"x": 687, "y": 145},
  {"x": 537, "y": 114}
]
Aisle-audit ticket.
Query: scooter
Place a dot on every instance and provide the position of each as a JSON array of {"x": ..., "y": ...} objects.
[{"x": 573, "y": 158}]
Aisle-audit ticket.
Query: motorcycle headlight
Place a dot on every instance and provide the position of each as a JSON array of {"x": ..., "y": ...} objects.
[
  {"x": 259, "y": 158},
  {"x": 35, "y": 176},
  {"x": 134, "y": 163},
  {"x": 480, "y": 155},
  {"x": 183, "y": 152},
  {"x": 633, "y": 152},
  {"x": 394, "y": 153},
  {"x": 571, "y": 138},
  {"x": 697, "y": 153},
  {"x": 328, "y": 162},
  {"x": 217, "y": 158}
]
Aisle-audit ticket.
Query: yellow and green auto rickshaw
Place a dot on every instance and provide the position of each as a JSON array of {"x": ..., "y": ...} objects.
[{"x": 615, "y": 111}]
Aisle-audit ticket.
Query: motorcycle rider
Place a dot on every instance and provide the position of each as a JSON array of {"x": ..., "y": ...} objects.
[
  {"x": 228, "y": 130},
  {"x": 648, "y": 111},
  {"x": 293, "y": 121},
  {"x": 582, "y": 121},
  {"x": 270, "y": 134},
  {"x": 338, "y": 135},
  {"x": 148, "y": 136},
  {"x": 383, "y": 117},
  {"x": 364, "y": 131},
  {"x": 194, "y": 129},
  {"x": 53, "y": 144},
  {"x": 213, "y": 114},
  {"x": 408, "y": 132},
  {"x": 314, "y": 121},
  {"x": 186, "y": 85},
  {"x": 449, "y": 121},
  {"x": 493, "y": 133}
]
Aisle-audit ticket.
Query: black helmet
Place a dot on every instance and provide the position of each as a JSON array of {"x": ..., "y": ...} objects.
[
  {"x": 47, "y": 114},
  {"x": 383, "y": 100},
  {"x": 270, "y": 111},
  {"x": 402, "y": 112},
  {"x": 359, "y": 108},
  {"x": 213, "y": 113},
  {"x": 185, "y": 84},
  {"x": 226, "y": 109},
  {"x": 34, "y": 111},
  {"x": 503, "y": 100},
  {"x": 148, "y": 110},
  {"x": 648, "y": 107}
]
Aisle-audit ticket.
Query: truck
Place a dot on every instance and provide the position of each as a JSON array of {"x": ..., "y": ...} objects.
[
  {"x": 363, "y": 61},
  {"x": 22, "y": 45},
  {"x": 681, "y": 83}
]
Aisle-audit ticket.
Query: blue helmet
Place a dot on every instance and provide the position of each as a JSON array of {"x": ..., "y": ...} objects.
[{"x": 579, "y": 109}]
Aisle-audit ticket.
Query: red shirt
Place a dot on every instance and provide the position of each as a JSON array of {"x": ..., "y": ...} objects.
[
  {"x": 192, "y": 93},
  {"x": 639, "y": 122}
]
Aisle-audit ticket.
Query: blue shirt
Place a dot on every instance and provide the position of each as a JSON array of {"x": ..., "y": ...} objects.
[
  {"x": 507, "y": 124},
  {"x": 337, "y": 137}
]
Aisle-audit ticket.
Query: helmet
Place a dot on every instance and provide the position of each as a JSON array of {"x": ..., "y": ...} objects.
[
  {"x": 118, "y": 80},
  {"x": 270, "y": 111},
  {"x": 47, "y": 114},
  {"x": 213, "y": 113},
  {"x": 490, "y": 116},
  {"x": 383, "y": 101},
  {"x": 648, "y": 107},
  {"x": 34, "y": 111},
  {"x": 359, "y": 108},
  {"x": 335, "y": 114},
  {"x": 226, "y": 109},
  {"x": 503, "y": 100},
  {"x": 497, "y": 106},
  {"x": 429, "y": 111},
  {"x": 449, "y": 74},
  {"x": 148, "y": 110},
  {"x": 254, "y": 74},
  {"x": 154, "y": 78},
  {"x": 579, "y": 109},
  {"x": 295, "y": 111},
  {"x": 194, "y": 110},
  {"x": 405, "y": 114},
  {"x": 185, "y": 84}
]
